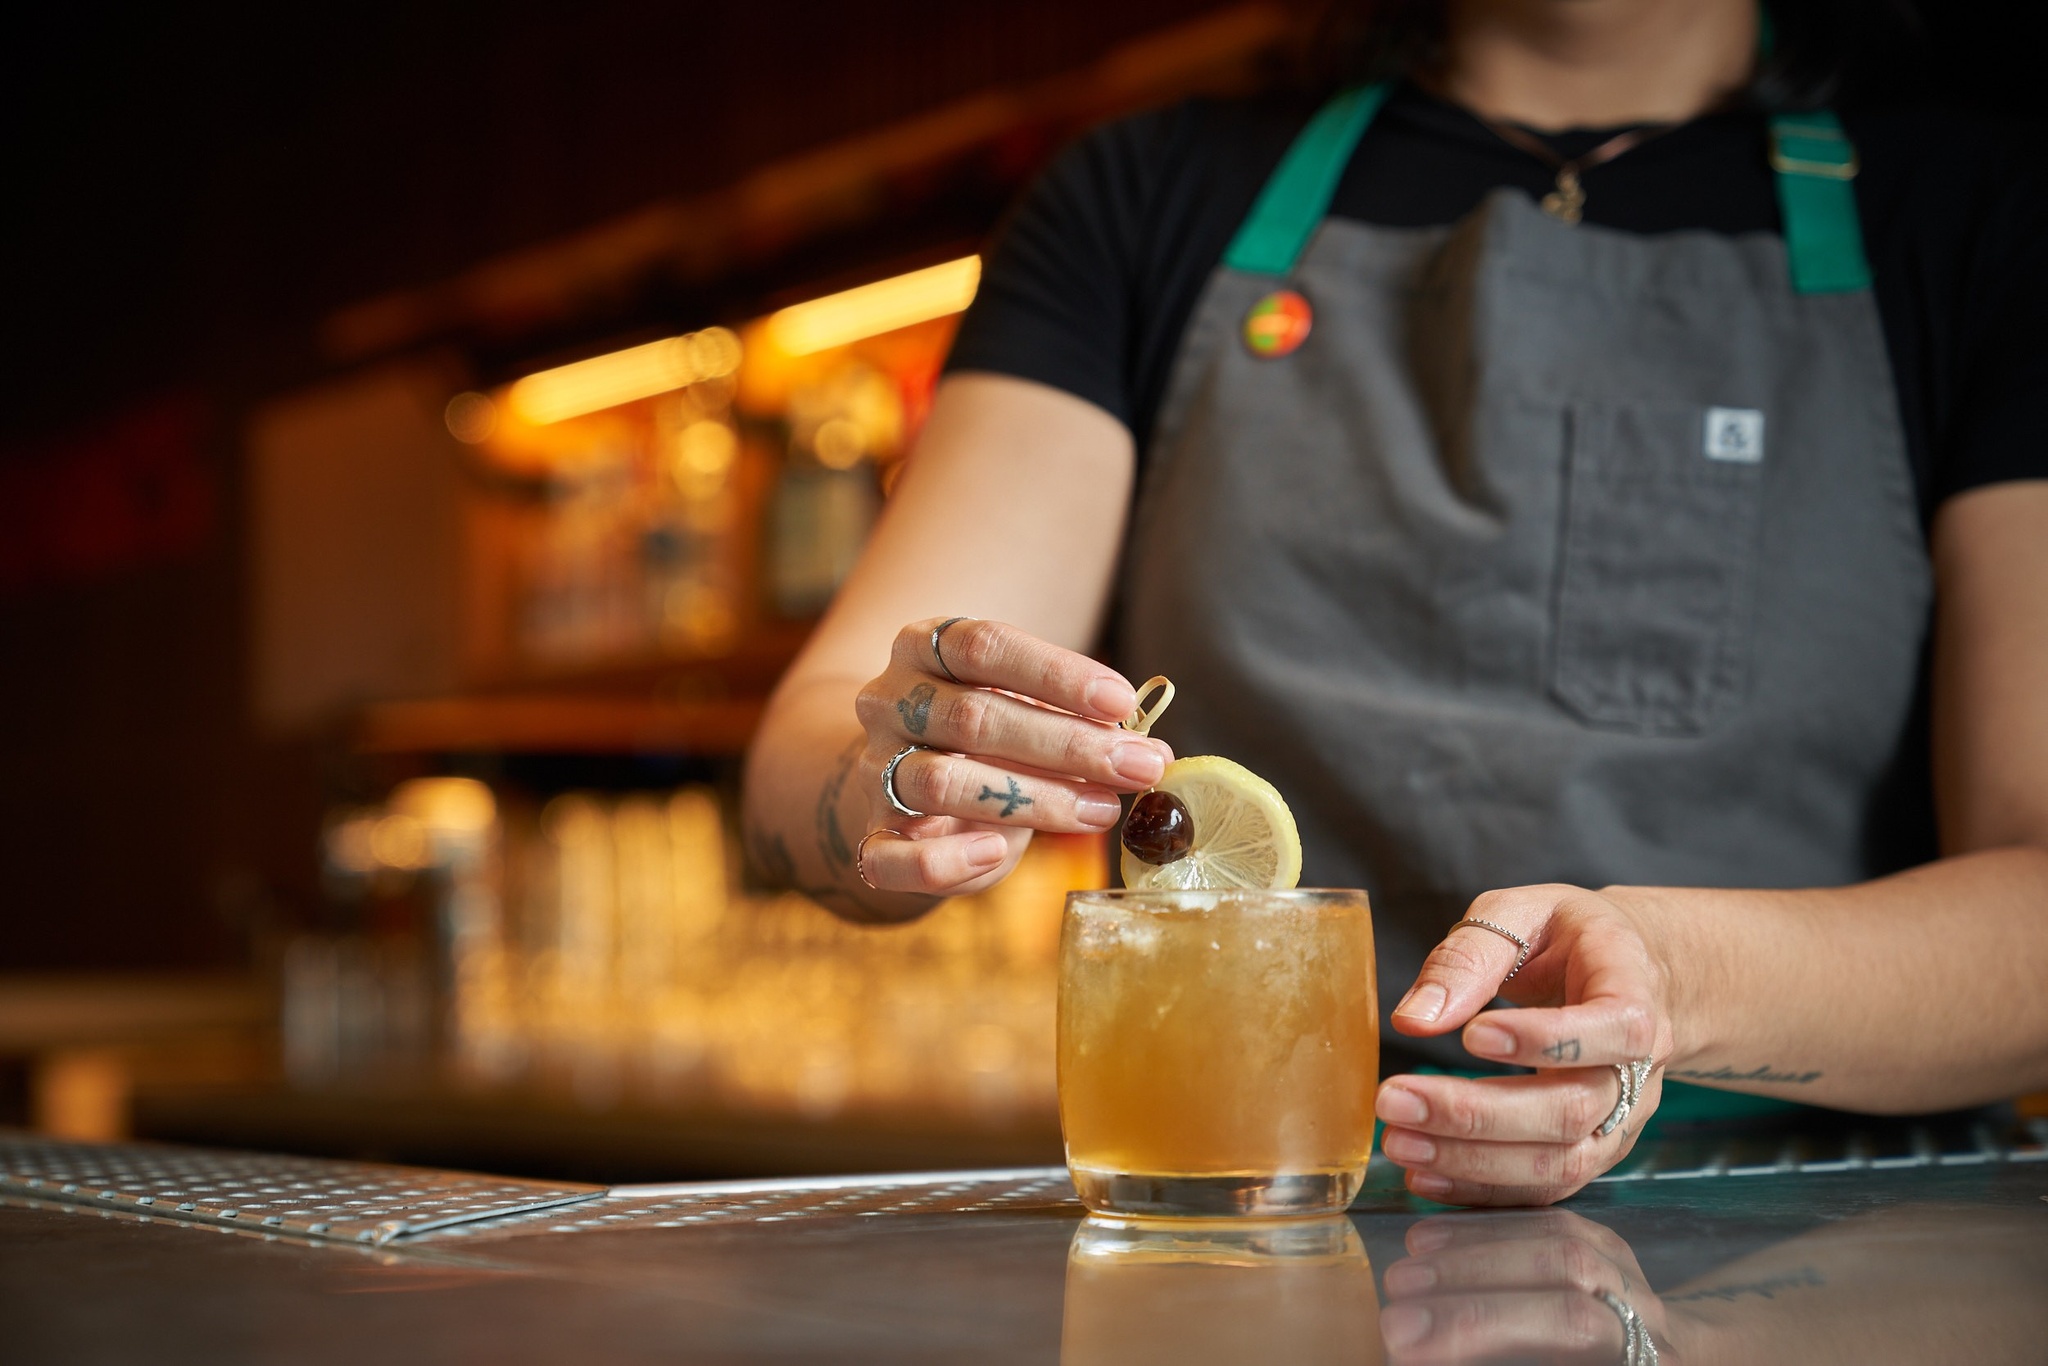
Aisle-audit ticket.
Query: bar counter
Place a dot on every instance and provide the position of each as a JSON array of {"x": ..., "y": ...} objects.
[{"x": 1882, "y": 1244}]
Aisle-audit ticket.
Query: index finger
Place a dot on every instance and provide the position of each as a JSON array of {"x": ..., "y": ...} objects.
[
  {"x": 1613, "y": 1021},
  {"x": 994, "y": 654}
]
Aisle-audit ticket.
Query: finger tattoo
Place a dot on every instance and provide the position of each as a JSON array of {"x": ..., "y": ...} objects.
[
  {"x": 916, "y": 709},
  {"x": 1011, "y": 799},
  {"x": 1564, "y": 1050}
]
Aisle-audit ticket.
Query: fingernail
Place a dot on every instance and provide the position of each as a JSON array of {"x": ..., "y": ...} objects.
[
  {"x": 1400, "y": 1106},
  {"x": 1429, "y": 1184},
  {"x": 1424, "y": 1002},
  {"x": 1111, "y": 698},
  {"x": 1489, "y": 1041},
  {"x": 1410, "y": 1278},
  {"x": 1137, "y": 763},
  {"x": 1098, "y": 813},
  {"x": 986, "y": 851},
  {"x": 1403, "y": 1146},
  {"x": 1404, "y": 1325}
]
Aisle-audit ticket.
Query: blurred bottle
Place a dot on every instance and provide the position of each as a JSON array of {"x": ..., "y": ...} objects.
[
  {"x": 415, "y": 883},
  {"x": 827, "y": 498},
  {"x": 690, "y": 566}
]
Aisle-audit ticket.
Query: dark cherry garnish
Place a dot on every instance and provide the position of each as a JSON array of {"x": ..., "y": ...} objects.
[{"x": 1159, "y": 829}]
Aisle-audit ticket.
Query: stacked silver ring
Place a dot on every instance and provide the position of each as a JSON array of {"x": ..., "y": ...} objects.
[
  {"x": 1521, "y": 944},
  {"x": 1637, "y": 1348},
  {"x": 889, "y": 781},
  {"x": 938, "y": 631},
  {"x": 1633, "y": 1077}
]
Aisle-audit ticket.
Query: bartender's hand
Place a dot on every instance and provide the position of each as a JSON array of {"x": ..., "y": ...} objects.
[
  {"x": 1022, "y": 737},
  {"x": 1515, "y": 1286},
  {"x": 1596, "y": 991}
]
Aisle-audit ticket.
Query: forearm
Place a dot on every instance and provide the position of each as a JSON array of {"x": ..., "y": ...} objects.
[
  {"x": 1916, "y": 992},
  {"x": 802, "y": 821}
]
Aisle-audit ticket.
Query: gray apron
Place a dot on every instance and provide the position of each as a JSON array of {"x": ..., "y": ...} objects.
[{"x": 1552, "y": 554}]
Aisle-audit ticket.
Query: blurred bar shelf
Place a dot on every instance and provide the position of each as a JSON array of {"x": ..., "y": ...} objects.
[
  {"x": 705, "y": 705},
  {"x": 559, "y": 723},
  {"x": 46, "y": 1011},
  {"x": 549, "y": 1135}
]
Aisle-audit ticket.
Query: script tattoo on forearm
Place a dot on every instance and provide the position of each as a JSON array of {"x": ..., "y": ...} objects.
[
  {"x": 1763, "y": 1074},
  {"x": 832, "y": 845},
  {"x": 916, "y": 709},
  {"x": 1564, "y": 1050},
  {"x": 1011, "y": 799},
  {"x": 777, "y": 869},
  {"x": 1805, "y": 1278},
  {"x": 772, "y": 861}
]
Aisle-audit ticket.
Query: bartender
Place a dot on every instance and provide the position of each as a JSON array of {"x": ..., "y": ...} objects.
[{"x": 1602, "y": 489}]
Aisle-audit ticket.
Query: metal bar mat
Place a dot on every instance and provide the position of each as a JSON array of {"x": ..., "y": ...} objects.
[
  {"x": 767, "y": 1202},
  {"x": 350, "y": 1201}
]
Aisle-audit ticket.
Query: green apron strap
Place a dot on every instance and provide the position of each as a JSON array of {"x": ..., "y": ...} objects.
[
  {"x": 1813, "y": 160},
  {"x": 1815, "y": 166},
  {"x": 1298, "y": 193}
]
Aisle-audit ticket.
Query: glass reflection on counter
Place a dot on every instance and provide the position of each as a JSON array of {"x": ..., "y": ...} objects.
[
  {"x": 1920, "y": 1284},
  {"x": 1193, "y": 1293}
]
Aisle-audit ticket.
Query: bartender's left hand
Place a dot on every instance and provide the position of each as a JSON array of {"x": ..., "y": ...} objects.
[{"x": 1594, "y": 992}]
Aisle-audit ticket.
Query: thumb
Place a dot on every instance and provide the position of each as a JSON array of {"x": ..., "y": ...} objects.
[{"x": 1464, "y": 972}]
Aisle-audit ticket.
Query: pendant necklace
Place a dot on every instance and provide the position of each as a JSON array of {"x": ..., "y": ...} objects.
[{"x": 1568, "y": 201}]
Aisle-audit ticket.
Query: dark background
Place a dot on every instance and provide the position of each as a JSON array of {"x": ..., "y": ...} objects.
[{"x": 189, "y": 194}]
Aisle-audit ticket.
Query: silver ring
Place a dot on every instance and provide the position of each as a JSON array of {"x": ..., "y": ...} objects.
[
  {"x": 938, "y": 631},
  {"x": 1633, "y": 1076},
  {"x": 1520, "y": 943},
  {"x": 1636, "y": 1347},
  {"x": 889, "y": 781}
]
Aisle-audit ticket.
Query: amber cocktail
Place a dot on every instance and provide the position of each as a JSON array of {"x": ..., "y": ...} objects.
[{"x": 1218, "y": 1050}]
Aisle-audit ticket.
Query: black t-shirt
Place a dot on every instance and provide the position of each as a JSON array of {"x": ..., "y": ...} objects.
[{"x": 1094, "y": 276}]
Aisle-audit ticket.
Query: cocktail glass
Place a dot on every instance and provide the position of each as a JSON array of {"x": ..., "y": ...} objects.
[{"x": 1218, "y": 1050}]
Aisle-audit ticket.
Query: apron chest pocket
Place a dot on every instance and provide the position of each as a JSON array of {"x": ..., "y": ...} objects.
[{"x": 1657, "y": 569}]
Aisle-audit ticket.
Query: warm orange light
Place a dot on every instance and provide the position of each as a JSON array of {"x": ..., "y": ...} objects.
[
  {"x": 589, "y": 386},
  {"x": 872, "y": 309}
]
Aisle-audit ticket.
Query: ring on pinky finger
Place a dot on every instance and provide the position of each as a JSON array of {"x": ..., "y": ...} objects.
[
  {"x": 932, "y": 866},
  {"x": 860, "y": 855}
]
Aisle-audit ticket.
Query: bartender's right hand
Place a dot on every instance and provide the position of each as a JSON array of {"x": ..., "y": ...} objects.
[{"x": 1022, "y": 736}]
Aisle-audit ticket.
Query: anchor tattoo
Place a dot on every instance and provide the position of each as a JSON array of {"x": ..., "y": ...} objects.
[{"x": 1011, "y": 800}]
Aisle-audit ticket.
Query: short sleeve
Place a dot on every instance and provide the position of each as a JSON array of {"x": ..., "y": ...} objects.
[
  {"x": 1995, "y": 430},
  {"x": 1055, "y": 302},
  {"x": 1956, "y": 212},
  {"x": 1092, "y": 278}
]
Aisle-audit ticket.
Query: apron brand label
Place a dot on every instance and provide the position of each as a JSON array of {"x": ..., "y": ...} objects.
[
  {"x": 1735, "y": 434},
  {"x": 1278, "y": 324}
]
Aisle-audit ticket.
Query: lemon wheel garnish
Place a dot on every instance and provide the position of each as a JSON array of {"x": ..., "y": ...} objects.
[{"x": 1244, "y": 835}]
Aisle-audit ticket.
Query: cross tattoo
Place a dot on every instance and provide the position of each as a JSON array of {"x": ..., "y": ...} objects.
[{"x": 1011, "y": 800}]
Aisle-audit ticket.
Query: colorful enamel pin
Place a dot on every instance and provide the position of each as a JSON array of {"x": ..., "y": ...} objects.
[{"x": 1278, "y": 324}]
